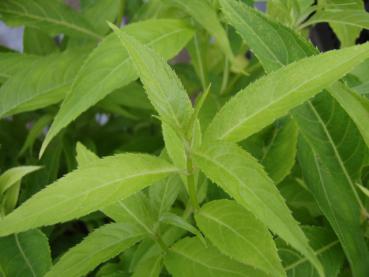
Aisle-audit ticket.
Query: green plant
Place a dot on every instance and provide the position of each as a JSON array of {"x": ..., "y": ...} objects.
[{"x": 251, "y": 167}]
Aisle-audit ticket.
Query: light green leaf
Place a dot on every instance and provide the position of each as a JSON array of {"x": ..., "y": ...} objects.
[
  {"x": 101, "y": 245},
  {"x": 350, "y": 18},
  {"x": 35, "y": 132},
  {"x": 163, "y": 87},
  {"x": 84, "y": 156},
  {"x": 327, "y": 158},
  {"x": 327, "y": 248},
  {"x": 99, "y": 77},
  {"x": 14, "y": 175},
  {"x": 164, "y": 193},
  {"x": 283, "y": 144},
  {"x": 356, "y": 106},
  {"x": 25, "y": 254},
  {"x": 237, "y": 234},
  {"x": 11, "y": 63},
  {"x": 86, "y": 190},
  {"x": 207, "y": 17},
  {"x": 131, "y": 96},
  {"x": 347, "y": 34},
  {"x": 149, "y": 268},
  {"x": 51, "y": 16},
  {"x": 180, "y": 222},
  {"x": 271, "y": 97},
  {"x": 189, "y": 257},
  {"x": 99, "y": 12},
  {"x": 46, "y": 84},
  {"x": 37, "y": 42},
  {"x": 134, "y": 209},
  {"x": 240, "y": 175}
]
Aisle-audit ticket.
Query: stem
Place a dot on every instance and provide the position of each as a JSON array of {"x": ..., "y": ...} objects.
[
  {"x": 191, "y": 183},
  {"x": 121, "y": 12},
  {"x": 161, "y": 243}
]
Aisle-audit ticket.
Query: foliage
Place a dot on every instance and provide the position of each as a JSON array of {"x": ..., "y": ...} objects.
[{"x": 184, "y": 138}]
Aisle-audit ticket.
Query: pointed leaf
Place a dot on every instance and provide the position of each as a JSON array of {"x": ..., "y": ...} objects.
[
  {"x": 189, "y": 257},
  {"x": 326, "y": 247},
  {"x": 25, "y": 254},
  {"x": 14, "y": 175},
  {"x": 51, "y": 16},
  {"x": 237, "y": 234},
  {"x": 271, "y": 97},
  {"x": 163, "y": 87},
  {"x": 46, "y": 84},
  {"x": 101, "y": 245},
  {"x": 207, "y": 17},
  {"x": 240, "y": 175},
  {"x": 86, "y": 190},
  {"x": 11, "y": 63},
  {"x": 99, "y": 77}
]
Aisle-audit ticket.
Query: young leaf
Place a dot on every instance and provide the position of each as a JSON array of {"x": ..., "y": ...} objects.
[
  {"x": 163, "y": 87},
  {"x": 206, "y": 16},
  {"x": 25, "y": 254},
  {"x": 189, "y": 257},
  {"x": 237, "y": 234},
  {"x": 271, "y": 97},
  {"x": 86, "y": 190},
  {"x": 327, "y": 248},
  {"x": 46, "y": 84},
  {"x": 101, "y": 245},
  {"x": 51, "y": 16},
  {"x": 14, "y": 175},
  {"x": 99, "y": 77},
  {"x": 240, "y": 175},
  {"x": 84, "y": 156},
  {"x": 175, "y": 220}
]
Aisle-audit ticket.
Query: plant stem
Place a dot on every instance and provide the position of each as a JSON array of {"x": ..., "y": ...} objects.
[{"x": 191, "y": 183}]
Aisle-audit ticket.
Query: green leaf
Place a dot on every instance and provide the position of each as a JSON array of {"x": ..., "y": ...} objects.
[
  {"x": 283, "y": 144},
  {"x": 346, "y": 33},
  {"x": 327, "y": 248},
  {"x": 46, "y": 84},
  {"x": 35, "y": 132},
  {"x": 164, "y": 193},
  {"x": 163, "y": 87},
  {"x": 180, "y": 222},
  {"x": 271, "y": 97},
  {"x": 207, "y": 17},
  {"x": 331, "y": 154},
  {"x": 356, "y": 106},
  {"x": 99, "y": 77},
  {"x": 101, "y": 245},
  {"x": 328, "y": 160},
  {"x": 12, "y": 63},
  {"x": 84, "y": 156},
  {"x": 149, "y": 268},
  {"x": 237, "y": 234},
  {"x": 51, "y": 16},
  {"x": 38, "y": 42},
  {"x": 86, "y": 190},
  {"x": 25, "y": 254},
  {"x": 14, "y": 175},
  {"x": 134, "y": 209},
  {"x": 189, "y": 257},
  {"x": 240, "y": 175},
  {"x": 99, "y": 12},
  {"x": 350, "y": 18}
]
